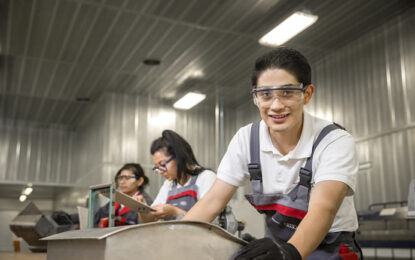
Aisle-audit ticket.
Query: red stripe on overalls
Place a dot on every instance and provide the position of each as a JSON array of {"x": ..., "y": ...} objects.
[
  {"x": 190, "y": 193},
  {"x": 287, "y": 211},
  {"x": 345, "y": 253},
  {"x": 121, "y": 212}
]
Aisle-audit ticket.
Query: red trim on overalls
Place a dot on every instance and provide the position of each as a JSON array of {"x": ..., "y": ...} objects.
[
  {"x": 345, "y": 254},
  {"x": 190, "y": 193},
  {"x": 125, "y": 209},
  {"x": 122, "y": 211},
  {"x": 287, "y": 211},
  {"x": 104, "y": 221}
]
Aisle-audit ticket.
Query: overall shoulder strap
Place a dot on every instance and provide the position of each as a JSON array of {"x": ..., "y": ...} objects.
[
  {"x": 193, "y": 179},
  {"x": 254, "y": 167},
  {"x": 306, "y": 173}
]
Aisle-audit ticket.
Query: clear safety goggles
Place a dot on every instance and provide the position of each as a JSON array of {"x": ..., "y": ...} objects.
[
  {"x": 287, "y": 94},
  {"x": 124, "y": 177}
]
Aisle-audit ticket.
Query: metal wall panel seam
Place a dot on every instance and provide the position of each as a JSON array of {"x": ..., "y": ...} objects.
[
  {"x": 136, "y": 125},
  {"x": 22, "y": 70},
  {"x": 17, "y": 155},
  {"x": 399, "y": 181},
  {"x": 28, "y": 154},
  {"x": 376, "y": 92},
  {"x": 5, "y": 144},
  {"x": 59, "y": 170},
  {"x": 388, "y": 80},
  {"x": 382, "y": 191},
  {"x": 38, "y": 156},
  {"x": 364, "y": 86},
  {"x": 69, "y": 174},
  {"x": 403, "y": 73},
  {"x": 6, "y": 59},
  {"x": 48, "y": 161}
]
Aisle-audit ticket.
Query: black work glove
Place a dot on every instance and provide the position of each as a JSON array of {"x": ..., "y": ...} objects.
[
  {"x": 248, "y": 237},
  {"x": 266, "y": 249}
]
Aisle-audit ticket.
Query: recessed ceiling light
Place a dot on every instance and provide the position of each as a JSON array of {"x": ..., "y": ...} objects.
[
  {"x": 22, "y": 198},
  {"x": 290, "y": 27},
  {"x": 27, "y": 191},
  {"x": 151, "y": 62},
  {"x": 189, "y": 100}
]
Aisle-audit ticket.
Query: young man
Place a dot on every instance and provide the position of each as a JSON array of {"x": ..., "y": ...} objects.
[{"x": 306, "y": 192}]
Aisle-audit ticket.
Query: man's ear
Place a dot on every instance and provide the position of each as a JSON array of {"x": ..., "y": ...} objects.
[
  {"x": 308, "y": 93},
  {"x": 255, "y": 100}
]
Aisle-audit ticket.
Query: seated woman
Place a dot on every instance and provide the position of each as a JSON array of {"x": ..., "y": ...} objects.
[
  {"x": 186, "y": 181},
  {"x": 131, "y": 180}
]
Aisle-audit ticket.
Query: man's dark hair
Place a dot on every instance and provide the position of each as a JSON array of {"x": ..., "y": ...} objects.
[
  {"x": 138, "y": 172},
  {"x": 173, "y": 144},
  {"x": 283, "y": 58}
]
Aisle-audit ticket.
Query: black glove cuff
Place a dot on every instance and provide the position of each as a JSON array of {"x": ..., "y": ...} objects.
[{"x": 294, "y": 254}]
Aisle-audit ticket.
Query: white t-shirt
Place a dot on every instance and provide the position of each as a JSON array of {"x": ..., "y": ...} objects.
[
  {"x": 334, "y": 159},
  {"x": 204, "y": 181}
]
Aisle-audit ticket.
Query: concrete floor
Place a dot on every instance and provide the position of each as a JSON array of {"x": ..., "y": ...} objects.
[{"x": 22, "y": 256}]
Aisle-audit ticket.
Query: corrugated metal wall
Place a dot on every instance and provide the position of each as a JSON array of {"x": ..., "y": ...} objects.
[
  {"x": 368, "y": 87},
  {"x": 120, "y": 129},
  {"x": 33, "y": 153}
]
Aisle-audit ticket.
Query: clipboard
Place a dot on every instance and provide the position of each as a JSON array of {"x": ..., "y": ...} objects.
[{"x": 128, "y": 201}]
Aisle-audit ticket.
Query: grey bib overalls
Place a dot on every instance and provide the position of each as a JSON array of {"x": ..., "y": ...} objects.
[{"x": 284, "y": 212}]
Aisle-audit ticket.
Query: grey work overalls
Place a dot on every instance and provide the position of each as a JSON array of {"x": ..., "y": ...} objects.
[
  {"x": 284, "y": 212},
  {"x": 184, "y": 197}
]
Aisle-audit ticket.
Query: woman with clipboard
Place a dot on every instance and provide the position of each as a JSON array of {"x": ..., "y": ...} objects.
[
  {"x": 130, "y": 180},
  {"x": 186, "y": 181}
]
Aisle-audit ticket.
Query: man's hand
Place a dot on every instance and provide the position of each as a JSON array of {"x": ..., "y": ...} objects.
[{"x": 266, "y": 249}]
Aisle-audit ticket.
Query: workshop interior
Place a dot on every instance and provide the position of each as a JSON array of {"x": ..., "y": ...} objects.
[{"x": 87, "y": 86}]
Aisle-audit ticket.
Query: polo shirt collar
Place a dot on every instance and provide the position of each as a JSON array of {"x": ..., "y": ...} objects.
[{"x": 303, "y": 147}]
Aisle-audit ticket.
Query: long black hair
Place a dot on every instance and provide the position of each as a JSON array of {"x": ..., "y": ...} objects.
[
  {"x": 173, "y": 144},
  {"x": 138, "y": 172}
]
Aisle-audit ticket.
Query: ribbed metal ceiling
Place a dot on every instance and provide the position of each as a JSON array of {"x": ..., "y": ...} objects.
[{"x": 54, "y": 52}]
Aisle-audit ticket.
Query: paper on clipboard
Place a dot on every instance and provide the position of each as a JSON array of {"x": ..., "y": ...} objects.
[{"x": 129, "y": 202}]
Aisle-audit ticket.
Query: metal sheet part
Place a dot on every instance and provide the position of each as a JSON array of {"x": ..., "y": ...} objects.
[
  {"x": 31, "y": 225},
  {"x": 161, "y": 240}
]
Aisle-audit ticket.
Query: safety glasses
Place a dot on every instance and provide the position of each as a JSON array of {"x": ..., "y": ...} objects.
[
  {"x": 162, "y": 167},
  {"x": 287, "y": 94}
]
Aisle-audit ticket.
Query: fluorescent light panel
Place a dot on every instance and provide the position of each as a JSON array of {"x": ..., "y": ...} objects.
[
  {"x": 289, "y": 28},
  {"x": 27, "y": 191},
  {"x": 189, "y": 100},
  {"x": 22, "y": 198}
]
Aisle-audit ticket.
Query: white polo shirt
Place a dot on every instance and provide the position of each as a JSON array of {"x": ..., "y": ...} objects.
[
  {"x": 334, "y": 159},
  {"x": 204, "y": 181}
]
